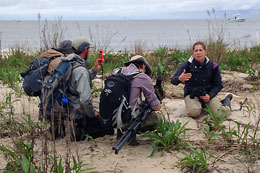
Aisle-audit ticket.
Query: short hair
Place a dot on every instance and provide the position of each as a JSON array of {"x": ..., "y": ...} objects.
[{"x": 199, "y": 43}]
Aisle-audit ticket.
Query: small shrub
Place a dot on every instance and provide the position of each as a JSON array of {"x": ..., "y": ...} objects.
[
  {"x": 161, "y": 52},
  {"x": 242, "y": 135},
  {"x": 19, "y": 157},
  {"x": 111, "y": 61},
  {"x": 215, "y": 120},
  {"x": 209, "y": 134},
  {"x": 168, "y": 135},
  {"x": 77, "y": 166},
  {"x": 229, "y": 135},
  {"x": 178, "y": 57},
  {"x": 253, "y": 74},
  {"x": 194, "y": 161}
]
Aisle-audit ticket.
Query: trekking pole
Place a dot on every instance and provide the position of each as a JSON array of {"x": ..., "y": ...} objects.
[{"x": 100, "y": 60}]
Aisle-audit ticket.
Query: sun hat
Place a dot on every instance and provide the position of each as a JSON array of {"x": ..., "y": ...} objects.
[
  {"x": 139, "y": 58},
  {"x": 81, "y": 43},
  {"x": 65, "y": 47}
]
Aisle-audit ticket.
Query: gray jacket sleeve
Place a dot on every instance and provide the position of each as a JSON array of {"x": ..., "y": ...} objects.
[{"x": 81, "y": 79}]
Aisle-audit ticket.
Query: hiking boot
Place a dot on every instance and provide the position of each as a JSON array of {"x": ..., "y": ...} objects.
[
  {"x": 109, "y": 131},
  {"x": 149, "y": 128},
  {"x": 226, "y": 101},
  {"x": 77, "y": 134},
  {"x": 119, "y": 134},
  {"x": 133, "y": 141}
]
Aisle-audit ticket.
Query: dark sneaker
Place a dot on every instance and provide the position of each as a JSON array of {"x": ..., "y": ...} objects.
[
  {"x": 119, "y": 134},
  {"x": 227, "y": 100}
]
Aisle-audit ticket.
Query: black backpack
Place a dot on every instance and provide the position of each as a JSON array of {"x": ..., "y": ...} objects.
[
  {"x": 34, "y": 76},
  {"x": 113, "y": 106}
]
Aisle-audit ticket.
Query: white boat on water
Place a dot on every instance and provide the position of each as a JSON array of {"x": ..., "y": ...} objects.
[{"x": 237, "y": 18}]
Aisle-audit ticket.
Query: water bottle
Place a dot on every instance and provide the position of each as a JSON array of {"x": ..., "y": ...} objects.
[{"x": 64, "y": 100}]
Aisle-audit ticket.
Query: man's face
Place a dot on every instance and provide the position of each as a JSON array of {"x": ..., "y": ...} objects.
[{"x": 86, "y": 53}]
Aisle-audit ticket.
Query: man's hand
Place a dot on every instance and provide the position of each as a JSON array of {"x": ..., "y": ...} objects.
[
  {"x": 184, "y": 76},
  {"x": 96, "y": 114},
  {"x": 157, "y": 108},
  {"x": 98, "y": 65},
  {"x": 205, "y": 98}
]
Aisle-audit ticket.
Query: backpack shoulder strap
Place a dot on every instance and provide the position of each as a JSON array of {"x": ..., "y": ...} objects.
[
  {"x": 119, "y": 70},
  {"x": 74, "y": 63}
]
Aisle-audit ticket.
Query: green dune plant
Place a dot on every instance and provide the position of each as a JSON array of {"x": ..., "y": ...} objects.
[
  {"x": 76, "y": 167},
  {"x": 178, "y": 57},
  {"x": 194, "y": 161},
  {"x": 19, "y": 158},
  {"x": 111, "y": 60},
  {"x": 168, "y": 136},
  {"x": 209, "y": 134},
  {"x": 10, "y": 68},
  {"x": 215, "y": 120}
]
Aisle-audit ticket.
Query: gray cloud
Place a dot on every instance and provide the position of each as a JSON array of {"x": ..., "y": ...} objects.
[{"x": 109, "y": 9}]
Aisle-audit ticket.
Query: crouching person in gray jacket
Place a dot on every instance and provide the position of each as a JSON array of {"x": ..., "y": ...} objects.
[{"x": 80, "y": 108}]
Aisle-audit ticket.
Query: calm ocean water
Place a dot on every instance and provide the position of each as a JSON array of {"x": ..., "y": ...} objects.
[{"x": 125, "y": 34}]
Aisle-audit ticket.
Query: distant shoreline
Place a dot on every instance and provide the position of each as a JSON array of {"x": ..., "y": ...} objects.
[
  {"x": 126, "y": 34},
  {"x": 101, "y": 20}
]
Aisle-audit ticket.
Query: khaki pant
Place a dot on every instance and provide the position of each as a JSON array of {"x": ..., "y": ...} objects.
[
  {"x": 150, "y": 122},
  {"x": 194, "y": 106}
]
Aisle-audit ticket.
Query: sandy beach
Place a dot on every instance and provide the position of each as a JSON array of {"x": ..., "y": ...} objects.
[{"x": 135, "y": 159}]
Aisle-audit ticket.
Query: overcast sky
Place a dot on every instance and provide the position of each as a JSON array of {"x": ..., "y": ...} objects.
[{"x": 125, "y": 9}]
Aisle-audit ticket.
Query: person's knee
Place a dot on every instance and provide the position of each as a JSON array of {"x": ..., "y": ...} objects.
[
  {"x": 224, "y": 110},
  {"x": 193, "y": 106},
  {"x": 195, "y": 112},
  {"x": 158, "y": 117}
]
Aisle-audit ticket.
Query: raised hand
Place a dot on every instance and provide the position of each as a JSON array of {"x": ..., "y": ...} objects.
[
  {"x": 184, "y": 76},
  {"x": 98, "y": 65}
]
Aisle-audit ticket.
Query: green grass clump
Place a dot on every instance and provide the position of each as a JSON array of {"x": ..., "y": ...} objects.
[
  {"x": 168, "y": 136},
  {"x": 20, "y": 157},
  {"x": 194, "y": 161},
  {"x": 10, "y": 68},
  {"x": 215, "y": 120}
]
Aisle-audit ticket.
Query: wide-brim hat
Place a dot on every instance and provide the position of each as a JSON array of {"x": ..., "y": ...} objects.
[{"x": 139, "y": 58}]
